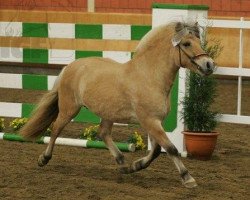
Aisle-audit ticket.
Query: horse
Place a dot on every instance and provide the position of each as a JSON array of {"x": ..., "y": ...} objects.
[{"x": 137, "y": 91}]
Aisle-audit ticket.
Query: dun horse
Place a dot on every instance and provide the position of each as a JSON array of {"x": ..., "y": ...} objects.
[{"x": 137, "y": 91}]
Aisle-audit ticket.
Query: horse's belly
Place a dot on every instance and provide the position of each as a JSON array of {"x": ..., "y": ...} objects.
[
  {"x": 119, "y": 114},
  {"x": 113, "y": 109}
]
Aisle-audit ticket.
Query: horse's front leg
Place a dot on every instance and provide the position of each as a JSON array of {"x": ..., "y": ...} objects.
[
  {"x": 145, "y": 161},
  {"x": 156, "y": 131}
]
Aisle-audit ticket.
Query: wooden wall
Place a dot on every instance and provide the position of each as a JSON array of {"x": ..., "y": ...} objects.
[
  {"x": 239, "y": 8},
  {"x": 230, "y": 41}
]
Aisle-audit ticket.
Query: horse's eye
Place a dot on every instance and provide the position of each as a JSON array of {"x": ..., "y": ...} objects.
[{"x": 186, "y": 44}]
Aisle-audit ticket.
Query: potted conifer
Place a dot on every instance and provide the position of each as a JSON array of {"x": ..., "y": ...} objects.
[{"x": 200, "y": 121}]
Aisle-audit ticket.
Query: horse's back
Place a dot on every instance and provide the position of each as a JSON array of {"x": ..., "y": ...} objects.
[
  {"x": 95, "y": 62},
  {"x": 91, "y": 67}
]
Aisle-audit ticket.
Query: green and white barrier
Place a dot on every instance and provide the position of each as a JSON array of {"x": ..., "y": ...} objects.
[
  {"x": 57, "y": 56},
  {"x": 27, "y": 81},
  {"x": 70, "y": 30},
  {"x": 65, "y": 32},
  {"x": 70, "y": 142}
]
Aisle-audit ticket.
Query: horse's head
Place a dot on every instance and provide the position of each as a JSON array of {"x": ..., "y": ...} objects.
[{"x": 188, "y": 52}]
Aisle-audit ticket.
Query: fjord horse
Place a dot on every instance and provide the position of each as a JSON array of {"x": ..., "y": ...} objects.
[{"x": 134, "y": 92}]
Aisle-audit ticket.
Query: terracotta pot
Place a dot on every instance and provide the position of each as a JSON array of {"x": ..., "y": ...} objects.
[{"x": 200, "y": 145}]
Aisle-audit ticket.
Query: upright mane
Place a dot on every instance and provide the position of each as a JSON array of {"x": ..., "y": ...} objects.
[{"x": 163, "y": 32}]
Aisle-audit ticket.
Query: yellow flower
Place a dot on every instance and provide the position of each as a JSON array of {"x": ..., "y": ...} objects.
[
  {"x": 90, "y": 132},
  {"x": 138, "y": 140}
]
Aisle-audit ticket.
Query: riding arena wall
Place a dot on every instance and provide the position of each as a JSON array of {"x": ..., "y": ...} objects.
[{"x": 239, "y": 8}]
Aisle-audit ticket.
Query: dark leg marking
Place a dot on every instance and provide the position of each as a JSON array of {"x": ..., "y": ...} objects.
[
  {"x": 157, "y": 152},
  {"x": 120, "y": 159},
  {"x": 184, "y": 174},
  {"x": 140, "y": 165},
  {"x": 172, "y": 150}
]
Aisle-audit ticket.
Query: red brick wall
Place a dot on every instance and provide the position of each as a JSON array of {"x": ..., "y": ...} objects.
[
  {"x": 217, "y": 7},
  {"x": 54, "y": 5}
]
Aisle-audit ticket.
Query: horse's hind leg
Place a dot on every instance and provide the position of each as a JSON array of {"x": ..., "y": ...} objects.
[
  {"x": 145, "y": 161},
  {"x": 67, "y": 110},
  {"x": 155, "y": 130},
  {"x": 105, "y": 134}
]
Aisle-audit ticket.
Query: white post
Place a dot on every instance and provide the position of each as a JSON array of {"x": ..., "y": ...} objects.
[
  {"x": 91, "y": 5},
  {"x": 240, "y": 67},
  {"x": 165, "y": 13}
]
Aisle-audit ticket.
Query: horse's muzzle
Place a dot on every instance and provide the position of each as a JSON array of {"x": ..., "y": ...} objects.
[
  {"x": 206, "y": 66},
  {"x": 209, "y": 67}
]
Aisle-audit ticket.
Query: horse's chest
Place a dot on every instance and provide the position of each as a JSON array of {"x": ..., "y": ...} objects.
[{"x": 162, "y": 109}]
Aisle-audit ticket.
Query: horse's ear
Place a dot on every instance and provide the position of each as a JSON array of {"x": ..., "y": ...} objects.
[
  {"x": 180, "y": 32},
  {"x": 197, "y": 29},
  {"x": 179, "y": 26}
]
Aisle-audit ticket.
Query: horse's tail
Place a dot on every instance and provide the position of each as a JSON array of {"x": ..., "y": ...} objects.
[{"x": 44, "y": 114}]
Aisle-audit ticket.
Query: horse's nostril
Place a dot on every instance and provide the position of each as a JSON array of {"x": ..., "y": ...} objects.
[{"x": 210, "y": 65}]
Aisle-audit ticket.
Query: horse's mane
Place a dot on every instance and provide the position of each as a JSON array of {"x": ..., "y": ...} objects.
[{"x": 163, "y": 32}]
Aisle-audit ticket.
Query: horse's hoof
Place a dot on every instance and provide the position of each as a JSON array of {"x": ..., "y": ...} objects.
[
  {"x": 190, "y": 183},
  {"x": 42, "y": 161},
  {"x": 125, "y": 170}
]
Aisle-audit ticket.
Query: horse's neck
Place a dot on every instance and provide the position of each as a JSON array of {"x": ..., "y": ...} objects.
[{"x": 158, "y": 66}]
